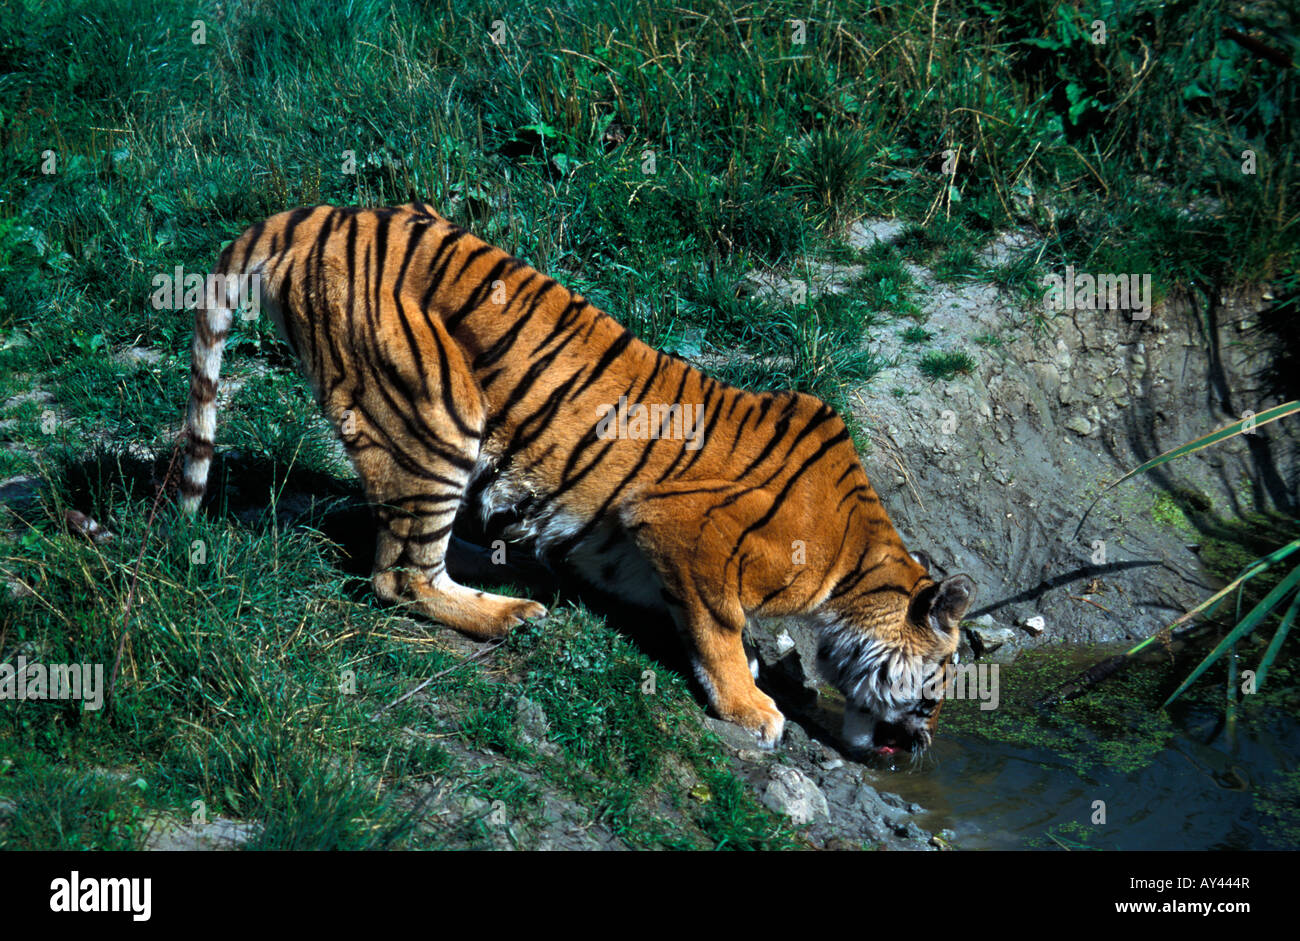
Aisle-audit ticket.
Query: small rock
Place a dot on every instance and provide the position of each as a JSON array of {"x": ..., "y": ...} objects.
[
  {"x": 867, "y": 802},
  {"x": 784, "y": 643},
  {"x": 740, "y": 741},
  {"x": 890, "y": 799},
  {"x": 534, "y": 727},
  {"x": 1036, "y": 624},
  {"x": 910, "y": 831},
  {"x": 868, "y": 232},
  {"x": 137, "y": 354},
  {"x": 220, "y": 833},
  {"x": 19, "y": 491},
  {"x": 793, "y": 793},
  {"x": 1079, "y": 425},
  {"x": 1047, "y": 377},
  {"x": 987, "y": 639},
  {"x": 473, "y": 807}
]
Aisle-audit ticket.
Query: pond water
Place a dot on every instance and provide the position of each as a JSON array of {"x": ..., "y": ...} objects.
[{"x": 1027, "y": 777}]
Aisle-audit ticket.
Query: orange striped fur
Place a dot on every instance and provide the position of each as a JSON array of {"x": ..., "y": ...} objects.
[{"x": 464, "y": 382}]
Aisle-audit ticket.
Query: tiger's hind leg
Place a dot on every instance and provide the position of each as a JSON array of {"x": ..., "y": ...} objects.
[
  {"x": 410, "y": 569},
  {"x": 416, "y": 485}
]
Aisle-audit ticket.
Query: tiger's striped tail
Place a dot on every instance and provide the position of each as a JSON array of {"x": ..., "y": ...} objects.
[{"x": 211, "y": 325}]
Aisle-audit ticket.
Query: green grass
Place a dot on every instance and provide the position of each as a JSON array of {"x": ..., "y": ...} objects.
[
  {"x": 253, "y": 680},
  {"x": 647, "y": 154},
  {"x": 946, "y": 365}
]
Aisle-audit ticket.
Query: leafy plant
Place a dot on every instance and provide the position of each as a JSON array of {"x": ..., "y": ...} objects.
[
  {"x": 830, "y": 169},
  {"x": 1288, "y": 587}
]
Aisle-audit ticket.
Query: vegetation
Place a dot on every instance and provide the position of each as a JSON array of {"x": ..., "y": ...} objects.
[
  {"x": 1281, "y": 600},
  {"x": 649, "y": 155},
  {"x": 946, "y": 365}
]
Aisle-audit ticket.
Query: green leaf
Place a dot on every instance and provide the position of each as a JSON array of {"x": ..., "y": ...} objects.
[
  {"x": 1214, "y": 437},
  {"x": 1212, "y": 602},
  {"x": 542, "y": 129},
  {"x": 1276, "y": 643},
  {"x": 1244, "y": 627}
]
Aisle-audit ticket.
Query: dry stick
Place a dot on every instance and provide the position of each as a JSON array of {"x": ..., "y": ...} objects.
[
  {"x": 135, "y": 571},
  {"x": 419, "y": 686},
  {"x": 1091, "y": 602},
  {"x": 934, "y": 19}
]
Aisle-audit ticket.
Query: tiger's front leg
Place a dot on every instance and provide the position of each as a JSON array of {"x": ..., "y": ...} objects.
[
  {"x": 703, "y": 598},
  {"x": 722, "y": 667}
]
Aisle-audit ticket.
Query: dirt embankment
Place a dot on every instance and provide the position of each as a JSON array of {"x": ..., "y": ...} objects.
[{"x": 990, "y": 472}]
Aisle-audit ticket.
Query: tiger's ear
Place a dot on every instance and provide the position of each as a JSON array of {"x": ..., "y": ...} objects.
[
  {"x": 951, "y": 602},
  {"x": 943, "y": 604},
  {"x": 923, "y": 560}
]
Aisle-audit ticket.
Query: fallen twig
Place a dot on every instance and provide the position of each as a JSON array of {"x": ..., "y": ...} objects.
[
  {"x": 421, "y": 685},
  {"x": 1091, "y": 602}
]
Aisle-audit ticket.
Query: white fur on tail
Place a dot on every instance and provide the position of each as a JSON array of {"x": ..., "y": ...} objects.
[{"x": 211, "y": 324}]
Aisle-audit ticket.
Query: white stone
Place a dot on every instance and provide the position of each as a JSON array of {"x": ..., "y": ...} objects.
[{"x": 794, "y": 794}]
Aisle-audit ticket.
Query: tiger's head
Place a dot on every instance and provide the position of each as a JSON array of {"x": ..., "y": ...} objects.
[{"x": 888, "y": 650}]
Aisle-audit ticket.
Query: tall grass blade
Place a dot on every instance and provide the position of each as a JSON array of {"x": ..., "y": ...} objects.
[
  {"x": 1246, "y": 625},
  {"x": 1250, "y": 571},
  {"x": 1276, "y": 643},
  {"x": 1223, "y": 434}
]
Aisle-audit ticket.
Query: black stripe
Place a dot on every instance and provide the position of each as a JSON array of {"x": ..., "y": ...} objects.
[
  {"x": 789, "y": 486},
  {"x": 572, "y": 311},
  {"x": 438, "y": 271},
  {"x": 612, "y": 353}
]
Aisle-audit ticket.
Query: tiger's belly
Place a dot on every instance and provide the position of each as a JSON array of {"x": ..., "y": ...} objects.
[{"x": 604, "y": 557}]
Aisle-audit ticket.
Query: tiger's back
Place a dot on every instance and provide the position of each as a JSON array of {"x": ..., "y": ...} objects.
[{"x": 460, "y": 379}]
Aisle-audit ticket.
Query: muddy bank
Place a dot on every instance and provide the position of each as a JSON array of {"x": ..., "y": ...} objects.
[{"x": 990, "y": 472}]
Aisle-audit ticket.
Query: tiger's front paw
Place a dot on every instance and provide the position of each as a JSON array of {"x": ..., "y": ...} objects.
[{"x": 759, "y": 715}]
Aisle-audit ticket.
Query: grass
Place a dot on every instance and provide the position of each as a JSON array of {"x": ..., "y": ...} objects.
[
  {"x": 937, "y": 365},
  {"x": 649, "y": 155},
  {"x": 254, "y": 680}
]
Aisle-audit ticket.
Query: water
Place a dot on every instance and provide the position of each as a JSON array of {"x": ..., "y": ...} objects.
[{"x": 1022, "y": 778}]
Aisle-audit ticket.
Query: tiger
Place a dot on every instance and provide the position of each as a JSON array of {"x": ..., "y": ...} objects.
[{"x": 464, "y": 384}]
